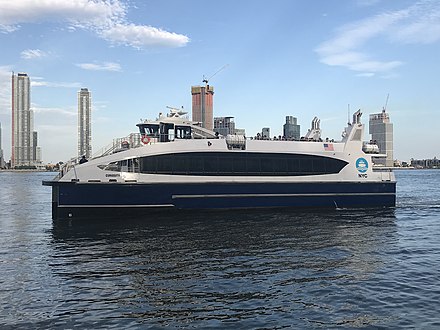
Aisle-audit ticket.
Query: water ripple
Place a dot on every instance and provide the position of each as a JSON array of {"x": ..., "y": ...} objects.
[{"x": 259, "y": 270}]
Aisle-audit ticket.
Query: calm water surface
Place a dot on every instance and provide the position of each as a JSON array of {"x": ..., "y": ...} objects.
[{"x": 251, "y": 270}]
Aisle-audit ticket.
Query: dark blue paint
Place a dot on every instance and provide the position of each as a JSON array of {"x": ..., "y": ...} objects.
[{"x": 114, "y": 194}]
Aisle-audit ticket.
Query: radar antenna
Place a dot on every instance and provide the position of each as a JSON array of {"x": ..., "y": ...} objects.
[{"x": 176, "y": 112}]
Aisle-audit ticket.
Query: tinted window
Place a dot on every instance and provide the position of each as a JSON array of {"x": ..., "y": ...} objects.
[
  {"x": 240, "y": 163},
  {"x": 253, "y": 164}
]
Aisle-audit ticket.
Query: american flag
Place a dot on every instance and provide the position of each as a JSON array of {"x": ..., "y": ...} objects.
[{"x": 328, "y": 147}]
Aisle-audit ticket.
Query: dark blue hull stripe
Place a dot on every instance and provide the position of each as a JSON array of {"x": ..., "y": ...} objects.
[
  {"x": 116, "y": 206},
  {"x": 274, "y": 195},
  {"x": 222, "y": 196},
  {"x": 70, "y": 198}
]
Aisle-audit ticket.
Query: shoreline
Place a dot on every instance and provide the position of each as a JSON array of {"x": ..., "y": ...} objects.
[{"x": 23, "y": 171}]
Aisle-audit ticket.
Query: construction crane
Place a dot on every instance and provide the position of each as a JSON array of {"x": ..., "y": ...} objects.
[
  {"x": 386, "y": 103},
  {"x": 206, "y": 80}
]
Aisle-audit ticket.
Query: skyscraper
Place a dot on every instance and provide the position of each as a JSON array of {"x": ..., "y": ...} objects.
[
  {"x": 291, "y": 130},
  {"x": 35, "y": 143},
  {"x": 23, "y": 142},
  {"x": 2, "y": 161},
  {"x": 84, "y": 123},
  {"x": 202, "y": 105},
  {"x": 381, "y": 130}
]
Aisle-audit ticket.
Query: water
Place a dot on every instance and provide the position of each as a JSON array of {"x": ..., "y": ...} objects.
[{"x": 251, "y": 270}]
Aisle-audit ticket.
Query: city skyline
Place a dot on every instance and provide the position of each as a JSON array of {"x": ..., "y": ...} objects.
[{"x": 288, "y": 58}]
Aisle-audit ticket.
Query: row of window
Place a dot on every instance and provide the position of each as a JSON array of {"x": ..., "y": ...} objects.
[{"x": 237, "y": 163}]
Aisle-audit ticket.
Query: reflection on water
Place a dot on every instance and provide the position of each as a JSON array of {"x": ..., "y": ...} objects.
[
  {"x": 208, "y": 269},
  {"x": 342, "y": 268}
]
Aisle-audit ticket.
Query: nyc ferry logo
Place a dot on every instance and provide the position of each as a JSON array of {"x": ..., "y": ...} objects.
[{"x": 362, "y": 167}]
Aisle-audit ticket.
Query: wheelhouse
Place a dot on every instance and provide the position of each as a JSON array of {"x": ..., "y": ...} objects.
[{"x": 165, "y": 132}]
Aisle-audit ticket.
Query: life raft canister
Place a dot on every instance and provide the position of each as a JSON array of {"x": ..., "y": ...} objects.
[{"x": 145, "y": 139}]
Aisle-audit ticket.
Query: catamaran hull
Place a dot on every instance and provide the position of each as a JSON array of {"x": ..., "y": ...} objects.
[{"x": 76, "y": 199}]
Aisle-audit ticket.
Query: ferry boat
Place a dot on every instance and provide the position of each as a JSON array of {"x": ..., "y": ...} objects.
[{"x": 175, "y": 164}]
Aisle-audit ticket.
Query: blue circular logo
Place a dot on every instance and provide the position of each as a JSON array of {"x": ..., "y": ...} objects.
[{"x": 362, "y": 165}]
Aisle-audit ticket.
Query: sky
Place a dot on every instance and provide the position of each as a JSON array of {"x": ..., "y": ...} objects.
[{"x": 276, "y": 58}]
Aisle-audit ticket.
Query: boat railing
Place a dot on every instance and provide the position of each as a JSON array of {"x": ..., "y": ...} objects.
[
  {"x": 133, "y": 140},
  {"x": 67, "y": 166}
]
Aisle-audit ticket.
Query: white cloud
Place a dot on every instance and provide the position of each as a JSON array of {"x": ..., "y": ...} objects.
[
  {"x": 365, "y": 74},
  {"x": 419, "y": 23},
  {"x": 55, "y": 84},
  {"x": 40, "y": 82},
  {"x": 29, "y": 54},
  {"x": 105, "y": 66},
  {"x": 108, "y": 19},
  {"x": 99, "y": 105},
  {"x": 140, "y": 36},
  {"x": 78, "y": 13},
  {"x": 421, "y": 27},
  {"x": 359, "y": 62},
  {"x": 366, "y": 3},
  {"x": 56, "y": 111}
]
